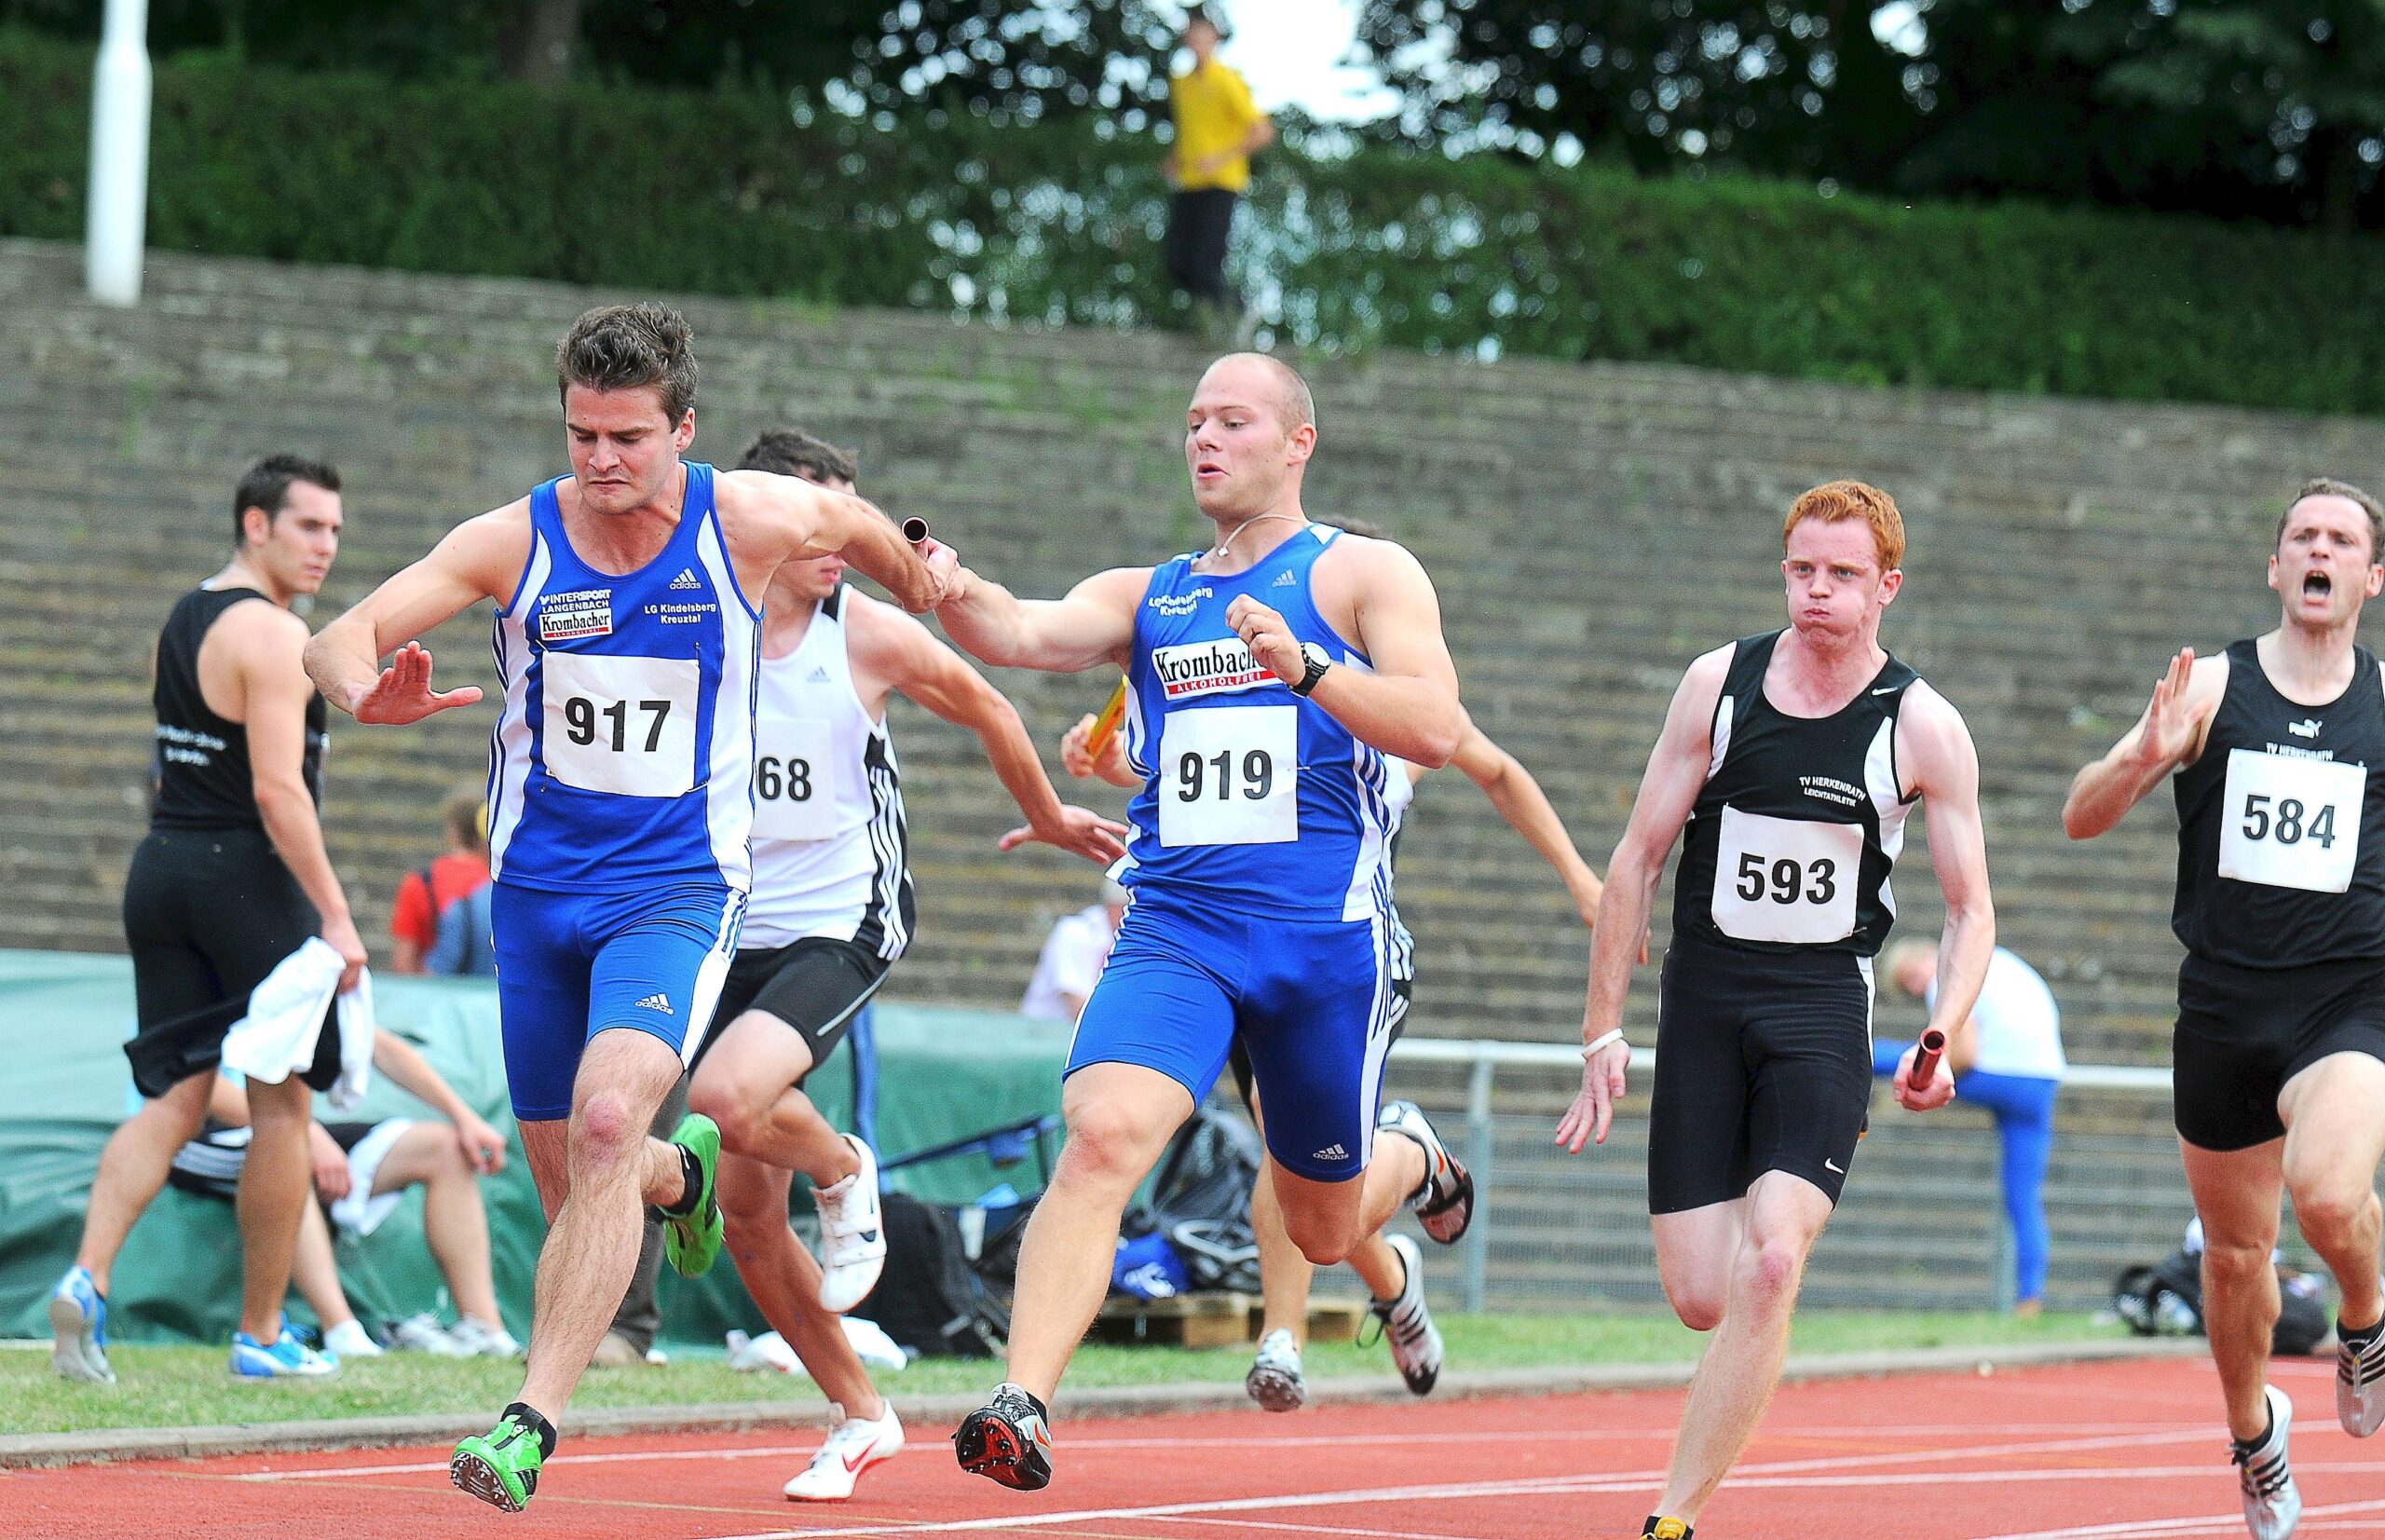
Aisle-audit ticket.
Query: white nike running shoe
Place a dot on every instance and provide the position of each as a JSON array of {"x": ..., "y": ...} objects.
[
  {"x": 2272, "y": 1505},
  {"x": 78, "y": 1321},
  {"x": 1274, "y": 1380},
  {"x": 2360, "y": 1385},
  {"x": 1415, "y": 1341},
  {"x": 853, "y": 1237},
  {"x": 854, "y": 1444}
]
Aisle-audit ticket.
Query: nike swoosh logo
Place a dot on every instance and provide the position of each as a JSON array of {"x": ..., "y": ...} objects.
[
  {"x": 1889, "y": 690},
  {"x": 853, "y": 1463},
  {"x": 869, "y": 1237},
  {"x": 1835, "y": 1166}
]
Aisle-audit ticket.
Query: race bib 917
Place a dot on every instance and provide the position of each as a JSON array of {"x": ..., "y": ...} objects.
[
  {"x": 621, "y": 725},
  {"x": 2291, "y": 823},
  {"x": 1785, "y": 879},
  {"x": 1230, "y": 775}
]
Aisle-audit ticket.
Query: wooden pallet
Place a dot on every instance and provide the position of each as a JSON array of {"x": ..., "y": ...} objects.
[{"x": 1215, "y": 1320}]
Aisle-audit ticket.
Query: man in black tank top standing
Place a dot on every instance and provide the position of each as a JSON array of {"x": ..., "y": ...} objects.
[
  {"x": 1792, "y": 759},
  {"x": 2279, "y": 1045},
  {"x": 231, "y": 880}
]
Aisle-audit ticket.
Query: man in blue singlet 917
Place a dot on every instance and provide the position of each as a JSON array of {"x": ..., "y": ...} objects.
[
  {"x": 620, "y": 802},
  {"x": 1269, "y": 678}
]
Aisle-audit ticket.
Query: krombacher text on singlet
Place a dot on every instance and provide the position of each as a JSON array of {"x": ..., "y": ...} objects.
[
  {"x": 204, "y": 777},
  {"x": 2279, "y": 824},
  {"x": 1793, "y": 833}
]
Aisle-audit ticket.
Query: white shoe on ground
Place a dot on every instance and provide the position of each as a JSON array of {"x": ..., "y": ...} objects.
[
  {"x": 1415, "y": 1341},
  {"x": 2273, "y": 1503},
  {"x": 480, "y": 1338},
  {"x": 422, "y": 1333},
  {"x": 853, "y": 1236},
  {"x": 349, "y": 1340},
  {"x": 854, "y": 1444}
]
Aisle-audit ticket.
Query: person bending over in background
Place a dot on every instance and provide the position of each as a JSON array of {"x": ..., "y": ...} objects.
[
  {"x": 362, "y": 1170},
  {"x": 231, "y": 880},
  {"x": 2007, "y": 1057}
]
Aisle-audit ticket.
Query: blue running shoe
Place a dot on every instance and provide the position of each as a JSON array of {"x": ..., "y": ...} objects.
[
  {"x": 78, "y": 1324},
  {"x": 287, "y": 1358}
]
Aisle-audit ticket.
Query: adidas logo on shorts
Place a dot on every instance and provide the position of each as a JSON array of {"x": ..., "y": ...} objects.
[
  {"x": 687, "y": 578},
  {"x": 1284, "y": 580},
  {"x": 660, "y": 1002},
  {"x": 1331, "y": 1151}
]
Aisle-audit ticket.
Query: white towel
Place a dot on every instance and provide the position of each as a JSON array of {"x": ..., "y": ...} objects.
[{"x": 285, "y": 1018}]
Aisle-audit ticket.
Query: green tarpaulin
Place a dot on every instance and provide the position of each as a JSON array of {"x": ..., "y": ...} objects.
[{"x": 64, "y": 1086}]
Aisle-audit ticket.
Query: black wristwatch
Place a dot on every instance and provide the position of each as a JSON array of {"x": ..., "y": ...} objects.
[{"x": 1317, "y": 661}]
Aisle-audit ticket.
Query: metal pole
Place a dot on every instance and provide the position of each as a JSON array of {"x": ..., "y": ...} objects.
[
  {"x": 114, "y": 229},
  {"x": 1477, "y": 1129}
]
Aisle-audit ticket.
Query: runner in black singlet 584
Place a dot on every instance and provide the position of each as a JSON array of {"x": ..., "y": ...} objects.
[
  {"x": 1792, "y": 760},
  {"x": 2280, "y": 1047},
  {"x": 231, "y": 880}
]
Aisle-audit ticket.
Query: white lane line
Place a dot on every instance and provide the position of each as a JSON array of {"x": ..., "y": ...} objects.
[
  {"x": 1316, "y": 1529},
  {"x": 2163, "y": 1528},
  {"x": 1315, "y": 1441},
  {"x": 1525, "y": 1487}
]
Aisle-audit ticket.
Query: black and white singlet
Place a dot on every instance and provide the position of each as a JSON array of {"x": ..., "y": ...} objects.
[
  {"x": 2280, "y": 864},
  {"x": 1801, "y": 819}
]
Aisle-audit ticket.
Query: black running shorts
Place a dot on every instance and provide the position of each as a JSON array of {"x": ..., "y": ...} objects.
[
  {"x": 1764, "y": 1063},
  {"x": 208, "y": 913},
  {"x": 1403, "y": 991},
  {"x": 2243, "y": 1032},
  {"x": 815, "y": 986}
]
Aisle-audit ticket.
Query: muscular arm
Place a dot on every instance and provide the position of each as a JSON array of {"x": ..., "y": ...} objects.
[
  {"x": 901, "y": 651},
  {"x": 1933, "y": 741},
  {"x": 1093, "y": 625},
  {"x": 267, "y": 646},
  {"x": 394, "y": 1056},
  {"x": 1520, "y": 801},
  {"x": 2169, "y": 734},
  {"x": 1408, "y": 706},
  {"x": 1668, "y": 791},
  {"x": 478, "y": 559},
  {"x": 784, "y": 518}
]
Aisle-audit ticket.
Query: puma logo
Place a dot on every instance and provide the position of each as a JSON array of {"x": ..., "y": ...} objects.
[{"x": 2308, "y": 728}]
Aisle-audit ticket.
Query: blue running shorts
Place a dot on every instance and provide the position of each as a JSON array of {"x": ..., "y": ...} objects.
[
  {"x": 1310, "y": 1000},
  {"x": 571, "y": 965}
]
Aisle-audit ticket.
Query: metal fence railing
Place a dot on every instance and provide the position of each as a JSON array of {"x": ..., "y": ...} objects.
[{"x": 1921, "y": 1224}]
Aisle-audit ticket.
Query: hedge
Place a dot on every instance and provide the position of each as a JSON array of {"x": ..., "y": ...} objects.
[{"x": 735, "y": 193}]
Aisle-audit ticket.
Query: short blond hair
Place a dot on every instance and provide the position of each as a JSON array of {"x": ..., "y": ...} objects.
[{"x": 1833, "y": 502}]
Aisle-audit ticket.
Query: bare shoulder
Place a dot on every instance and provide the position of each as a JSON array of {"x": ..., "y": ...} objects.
[
  {"x": 1367, "y": 560},
  {"x": 1701, "y": 684},
  {"x": 1933, "y": 741},
  {"x": 260, "y": 630},
  {"x": 876, "y": 631},
  {"x": 755, "y": 506},
  {"x": 489, "y": 550},
  {"x": 2208, "y": 681}
]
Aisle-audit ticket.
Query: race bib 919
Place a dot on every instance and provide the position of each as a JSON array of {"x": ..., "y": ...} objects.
[
  {"x": 1785, "y": 879},
  {"x": 1230, "y": 775},
  {"x": 2291, "y": 823},
  {"x": 621, "y": 725}
]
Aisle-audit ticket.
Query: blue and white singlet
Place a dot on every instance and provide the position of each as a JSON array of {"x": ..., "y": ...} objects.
[
  {"x": 1252, "y": 796},
  {"x": 622, "y": 757}
]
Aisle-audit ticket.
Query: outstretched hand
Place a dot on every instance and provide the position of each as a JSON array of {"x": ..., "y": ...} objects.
[
  {"x": 2172, "y": 721},
  {"x": 403, "y": 694},
  {"x": 1594, "y": 1109},
  {"x": 1080, "y": 831}
]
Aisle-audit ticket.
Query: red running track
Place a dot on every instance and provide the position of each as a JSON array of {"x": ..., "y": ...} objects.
[{"x": 2106, "y": 1451}]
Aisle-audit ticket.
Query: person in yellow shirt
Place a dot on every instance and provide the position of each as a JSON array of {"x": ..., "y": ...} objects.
[{"x": 1218, "y": 130}]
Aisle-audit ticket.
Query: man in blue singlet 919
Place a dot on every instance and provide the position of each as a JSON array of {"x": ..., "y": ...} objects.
[
  {"x": 620, "y": 802},
  {"x": 1269, "y": 678}
]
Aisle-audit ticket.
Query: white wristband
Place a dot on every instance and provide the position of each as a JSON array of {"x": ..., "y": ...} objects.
[{"x": 1612, "y": 1034}]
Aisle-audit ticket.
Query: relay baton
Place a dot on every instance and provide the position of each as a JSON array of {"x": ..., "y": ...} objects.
[
  {"x": 1104, "y": 726},
  {"x": 1925, "y": 1063},
  {"x": 915, "y": 529}
]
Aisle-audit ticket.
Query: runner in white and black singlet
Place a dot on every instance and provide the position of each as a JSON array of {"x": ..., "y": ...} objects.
[
  {"x": 231, "y": 880},
  {"x": 2280, "y": 1047},
  {"x": 830, "y": 911},
  {"x": 1792, "y": 760}
]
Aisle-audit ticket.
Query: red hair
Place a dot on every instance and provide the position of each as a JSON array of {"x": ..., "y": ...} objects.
[{"x": 1833, "y": 502}]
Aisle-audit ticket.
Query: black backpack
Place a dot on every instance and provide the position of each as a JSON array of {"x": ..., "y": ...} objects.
[
  {"x": 1201, "y": 1200},
  {"x": 929, "y": 1300},
  {"x": 2139, "y": 1294}
]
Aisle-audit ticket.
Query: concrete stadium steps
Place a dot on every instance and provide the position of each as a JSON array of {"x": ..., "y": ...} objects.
[{"x": 1590, "y": 528}]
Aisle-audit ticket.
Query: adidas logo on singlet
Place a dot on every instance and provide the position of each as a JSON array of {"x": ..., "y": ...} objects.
[
  {"x": 657, "y": 1001},
  {"x": 687, "y": 578},
  {"x": 1331, "y": 1151},
  {"x": 817, "y": 676},
  {"x": 1284, "y": 580}
]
